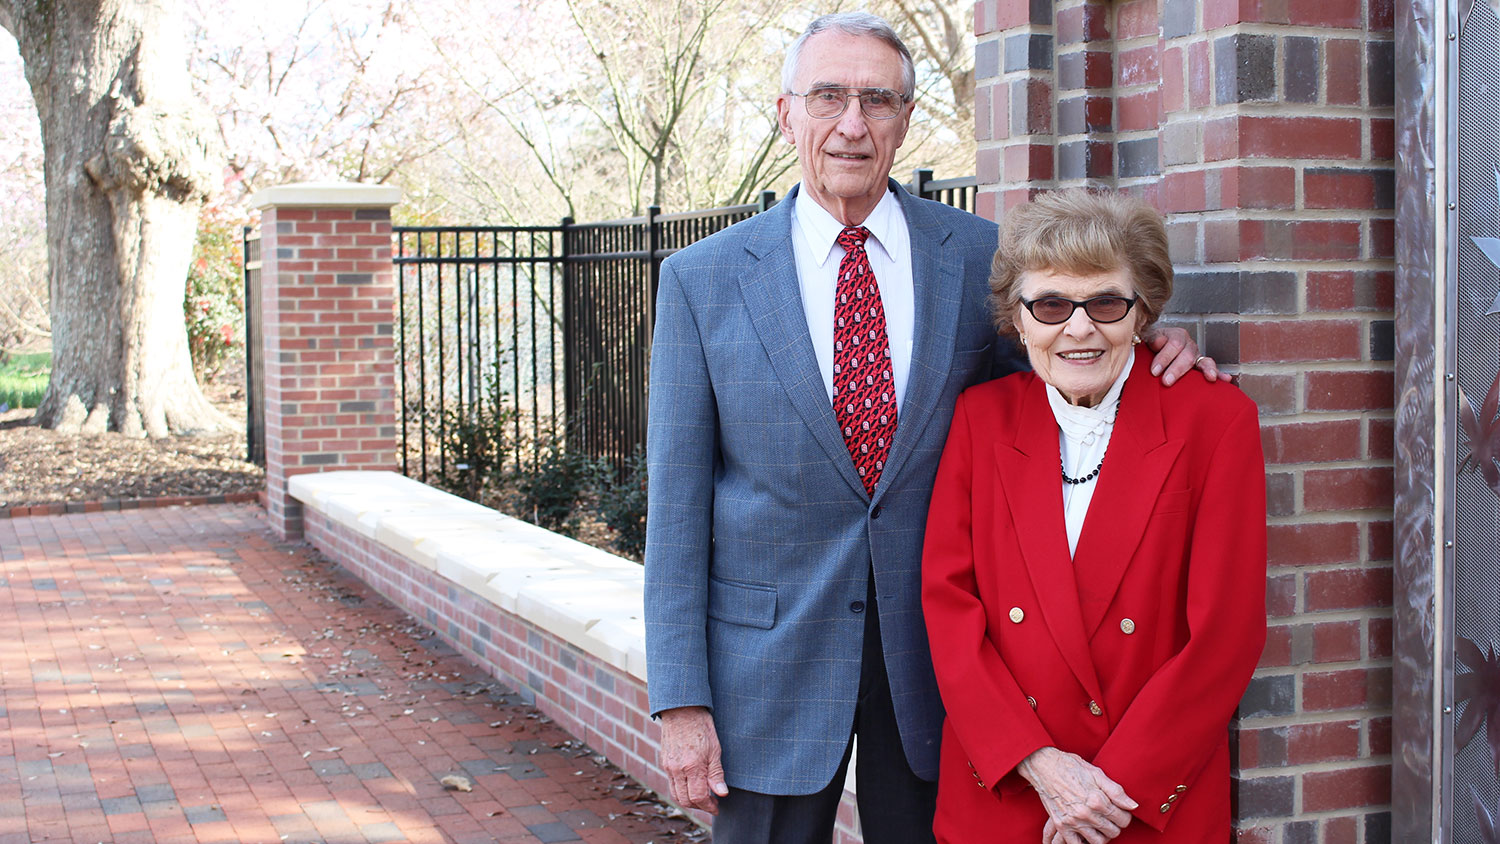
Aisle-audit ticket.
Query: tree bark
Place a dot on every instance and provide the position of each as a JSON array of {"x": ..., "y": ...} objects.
[{"x": 129, "y": 158}]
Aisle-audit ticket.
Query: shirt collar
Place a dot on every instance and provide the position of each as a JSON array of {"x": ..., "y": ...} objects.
[
  {"x": 820, "y": 230},
  {"x": 1078, "y": 422}
]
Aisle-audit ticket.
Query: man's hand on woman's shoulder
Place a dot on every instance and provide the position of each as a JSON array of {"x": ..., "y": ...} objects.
[{"x": 1177, "y": 354}]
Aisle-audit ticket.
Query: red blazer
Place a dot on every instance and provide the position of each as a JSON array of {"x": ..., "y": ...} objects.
[{"x": 1134, "y": 653}]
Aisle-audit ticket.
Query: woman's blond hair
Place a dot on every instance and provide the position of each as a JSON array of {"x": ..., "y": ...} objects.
[{"x": 1081, "y": 233}]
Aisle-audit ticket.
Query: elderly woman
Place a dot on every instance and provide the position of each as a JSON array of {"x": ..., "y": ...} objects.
[{"x": 1095, "y": 560}]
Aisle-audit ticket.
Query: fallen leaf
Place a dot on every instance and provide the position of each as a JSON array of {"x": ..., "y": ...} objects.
[{"x": 454, "y": 782}]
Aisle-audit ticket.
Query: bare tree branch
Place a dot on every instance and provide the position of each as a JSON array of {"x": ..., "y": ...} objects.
[{"x": 593, "y": 108}]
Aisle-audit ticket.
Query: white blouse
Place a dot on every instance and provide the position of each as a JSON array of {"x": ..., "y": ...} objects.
[{"x": 1083, "y": 434}]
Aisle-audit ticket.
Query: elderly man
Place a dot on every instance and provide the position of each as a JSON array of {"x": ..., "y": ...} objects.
[{"x": 803, "y": 375}]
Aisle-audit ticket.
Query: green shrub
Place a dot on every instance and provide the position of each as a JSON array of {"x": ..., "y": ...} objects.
[
  {"x": 476, "y": 445},
  {"x": 23, "y": 378},
  {"x": 536, "y": 477},
  {"x": 214, "y": 301},
  {"x": 620, "y": 500},
  {"x": 550, "y": 483}
]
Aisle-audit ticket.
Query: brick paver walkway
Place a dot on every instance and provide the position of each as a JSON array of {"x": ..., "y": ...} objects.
[{"x": 178, "y": 676}]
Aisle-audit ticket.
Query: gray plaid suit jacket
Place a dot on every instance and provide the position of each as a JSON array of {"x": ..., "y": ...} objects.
[{"x": 760, "y": 537}]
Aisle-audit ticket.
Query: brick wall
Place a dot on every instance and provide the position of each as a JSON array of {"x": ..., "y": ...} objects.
[
  {"x": 1265, "y": 132},
  {"x": 327, "y": 299}
]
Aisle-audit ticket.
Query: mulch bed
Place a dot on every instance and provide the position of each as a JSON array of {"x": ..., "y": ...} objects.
[{"x": 44, "y": 472}]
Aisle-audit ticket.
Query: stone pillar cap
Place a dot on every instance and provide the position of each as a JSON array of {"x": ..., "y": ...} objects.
[{"x": 326, "y": 195}]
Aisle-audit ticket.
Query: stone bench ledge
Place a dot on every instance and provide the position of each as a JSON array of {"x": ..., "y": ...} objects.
[{"x": 581, "y": 594}]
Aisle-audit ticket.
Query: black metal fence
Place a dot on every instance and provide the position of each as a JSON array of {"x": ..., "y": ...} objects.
[
  {"x": 552, "y": 322},
  {"x": 612, "y": 271},
  {"x": 480, "y": 337},
  {"x": 959, "y": 193},
  {"x": 255, "y": 365}
]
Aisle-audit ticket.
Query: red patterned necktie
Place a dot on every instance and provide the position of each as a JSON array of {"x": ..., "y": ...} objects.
[{"x": 864, "y": 391}]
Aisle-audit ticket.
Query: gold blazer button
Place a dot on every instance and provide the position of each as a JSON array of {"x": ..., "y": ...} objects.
[
  {"x": 1094, "y": 708},
  {"x": 1181, "y": 788},
  {"x": 1031, "y": 700},
  {"x": 1165, "y": 807},
  {"x": 1127, "y": 626},
  {"x": 1016, "y": 614}
]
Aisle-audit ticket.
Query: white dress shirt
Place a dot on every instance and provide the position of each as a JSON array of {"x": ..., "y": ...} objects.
[
  {"x": 815, "y": 244},
  {"x": 1083, "y": 434}
]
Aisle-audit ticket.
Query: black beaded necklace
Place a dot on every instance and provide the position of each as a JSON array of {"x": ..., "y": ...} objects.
[
  {"x": 1086, "y": 478},
  {"x": 1094, "y": 474}
]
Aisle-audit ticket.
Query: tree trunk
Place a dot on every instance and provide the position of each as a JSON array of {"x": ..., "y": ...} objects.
[{"x": 130, "y": 157}]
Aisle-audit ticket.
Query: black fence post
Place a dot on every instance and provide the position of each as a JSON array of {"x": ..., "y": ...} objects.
[
  {"x": 255, "y": 442},
  {"x": 572, "y": 400},
  {"x": 653, "y": 266},
  {"x": 249, "y": 383},
  {"x": 919, "y": 179},
  {"x": 406, "y": 414},
  {"x": 766, "y": 201},
  {"x": 640, "y": 355}
]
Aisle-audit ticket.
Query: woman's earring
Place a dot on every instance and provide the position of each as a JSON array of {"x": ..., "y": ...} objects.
[
  {"x": 1023, "y": 339},
  {"x": 1135, "y": 339}
]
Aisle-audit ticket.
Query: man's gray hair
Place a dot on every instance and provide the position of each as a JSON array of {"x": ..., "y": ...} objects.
[{"x": 851, "y": 23}]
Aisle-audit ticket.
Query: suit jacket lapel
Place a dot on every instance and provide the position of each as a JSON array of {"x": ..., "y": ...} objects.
[
  {"x": 937, "y": 281},
  {"x": 1028, "y": 472},
  {"x": 773, "y": 299},
  {"x": 1135, "y": 467}
]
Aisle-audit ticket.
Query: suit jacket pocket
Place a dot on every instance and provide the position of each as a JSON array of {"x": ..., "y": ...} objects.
[{"x": 737, "y": 602}]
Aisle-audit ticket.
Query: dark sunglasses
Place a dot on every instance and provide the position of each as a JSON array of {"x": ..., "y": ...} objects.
[{"x": 1052, "y": 310}]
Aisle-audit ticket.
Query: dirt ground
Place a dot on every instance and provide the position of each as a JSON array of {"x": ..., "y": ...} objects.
[{"x": 38, "y": 466}]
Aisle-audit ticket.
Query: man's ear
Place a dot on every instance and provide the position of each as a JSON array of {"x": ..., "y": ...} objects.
[
  {"x": 905, "y": 119},
  {"x": 784, "y": 118}
]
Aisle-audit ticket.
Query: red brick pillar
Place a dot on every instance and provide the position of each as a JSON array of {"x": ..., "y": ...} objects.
[
  {"x": 327, "y": 311},
  {"x": 1265, "y": 132}
]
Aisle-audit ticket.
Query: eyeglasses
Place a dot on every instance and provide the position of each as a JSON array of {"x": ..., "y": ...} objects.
[
  {"x": 1052, "y": 310},
  {"x": 828, "y": 103}
]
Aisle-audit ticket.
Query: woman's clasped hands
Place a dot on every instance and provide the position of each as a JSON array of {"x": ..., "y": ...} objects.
[{"x": 1084, "y": 806}]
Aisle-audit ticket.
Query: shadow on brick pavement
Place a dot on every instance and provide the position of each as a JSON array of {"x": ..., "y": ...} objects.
[{"x": 177, "y": 675}]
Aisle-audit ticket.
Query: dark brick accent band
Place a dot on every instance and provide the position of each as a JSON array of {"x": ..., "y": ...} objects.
[
  {"x": 1028, "y": 51},
  {"x": 1301, "y": 69},
  {"x": 1244, "y": 68}
]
